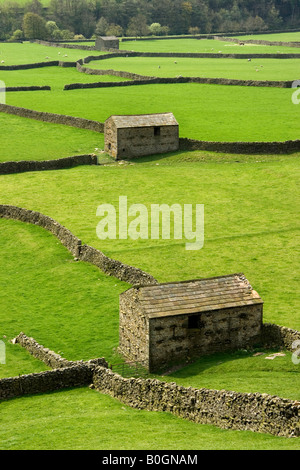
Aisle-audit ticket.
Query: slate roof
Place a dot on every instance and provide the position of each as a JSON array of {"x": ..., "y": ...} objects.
[
  {"x": 196, "y": 296},
  {"x": 109, "y": 38},
  {"x": 144, "y": 120}
]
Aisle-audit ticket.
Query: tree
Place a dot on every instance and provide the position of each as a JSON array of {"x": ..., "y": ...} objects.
[
  {"x": 18, "y": 35},
  {"x": 102, "y": 26},
  {"x": 34, "y": 26},
  {"x": 74, "y": 15},
  {"x": 194, "y": 30},
  {"x": 138, "y": 26},
  {"x": 66, "y": 34},
  {"x": 52, "y": 29},
  {"x": 155, "y": 29},
  {"x": 34, "y": 6},
  {"x": 254, "y": 24},
  {"x": 114, "y": 30},
  {"x": 274, "y": 20}
]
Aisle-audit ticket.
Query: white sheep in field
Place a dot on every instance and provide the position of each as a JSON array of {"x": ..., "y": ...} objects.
[{"x": 2, "y": 61}]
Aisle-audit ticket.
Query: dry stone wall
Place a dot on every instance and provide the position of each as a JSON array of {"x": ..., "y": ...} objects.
[
  {"x": 50, "y": 358},
  {"x": 290, "y": 146},
  {"x": 230, "y": 410},
  {"x": 226, "y": 409},
  {"x": 28, "y": 88},
  {"x": 115, "y": 268},
  {"x": 48, "y": 381},
  {"x": 65, "y": 374},
  {"x": 50, "y": 63},
  {"x": 64, "y": 45},
  {"x": 279, "y": 336},
  {"x": 81, "y": 123},
  {"x": 111, "y": 267},
  {"x": 61, "y": 163},
  {"x": 136, "y": 79}
]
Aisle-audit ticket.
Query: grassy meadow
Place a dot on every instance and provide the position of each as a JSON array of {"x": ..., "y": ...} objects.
[
  {"x": 31, "y": 53},
  {"x": 257, "y": 69},
  {"x": 202, "y": 110},
  {"x": 55, "y": 77},
  {"x": 203, "y": 45},
  {"x": 35, "y": 140},
  {"x": 251, "y": 206},
  {"x": 281, "y": 37}
]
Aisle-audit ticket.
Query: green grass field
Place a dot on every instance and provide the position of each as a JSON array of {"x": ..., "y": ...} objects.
[
  {"x": 264, "y": 247},
  {"x": 84, "y": 419},
  {"x": 30, "y": 53},
  {"x": 281, "y": 37},
  {"x": 203, "y": 45},
  {"x": 251, "y": 208},
  {"x": 257, "y": 69},
  {"x": 26, "y": 139},
  {"x": 202, "y": 110},
  {"x": 55, "y": 77}
]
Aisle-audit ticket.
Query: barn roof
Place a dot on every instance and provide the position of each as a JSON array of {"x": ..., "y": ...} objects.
[
  {"x": 109, "y": 38},
  {"x": 144, "y": 120},
  {"x": 196, "y": 296}
]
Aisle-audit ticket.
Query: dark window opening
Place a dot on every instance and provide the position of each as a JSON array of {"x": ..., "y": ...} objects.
[
  {"x": 157, "y": 130},
  {"x": 193, "y": 322},
  {"x": 109, "y": 146}
]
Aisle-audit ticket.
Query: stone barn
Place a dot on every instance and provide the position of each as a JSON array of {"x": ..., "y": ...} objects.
[
  {"x": 133, "y": 136},
  {"x": 103, "y": 43},
  {"x": 167, "y": 324}
]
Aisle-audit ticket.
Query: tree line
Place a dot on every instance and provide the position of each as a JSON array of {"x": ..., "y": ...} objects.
[{"x": 79, "y": 19}]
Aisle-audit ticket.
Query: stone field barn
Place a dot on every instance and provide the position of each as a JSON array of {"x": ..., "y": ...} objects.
[
  {"x": 175, "y": 322},
  {"x": 134, "y": 136},
  {"x": 106, "y": 42}
]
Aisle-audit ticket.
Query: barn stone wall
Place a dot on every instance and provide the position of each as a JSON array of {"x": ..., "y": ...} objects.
[
  {"x": 133, "y": 330},
  {"x": 173, "y": 340},
  {"x": 136, "y": 142}
]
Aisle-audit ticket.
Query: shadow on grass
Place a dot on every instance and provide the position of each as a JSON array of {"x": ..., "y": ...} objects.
[{"x": 199, "y": 365}]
